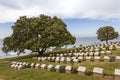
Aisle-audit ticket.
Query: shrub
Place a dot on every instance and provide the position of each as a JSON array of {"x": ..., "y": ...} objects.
[
  {"x": 74, "y": 70},
  {"x": 62, "y": 69},
  {"x": 28, "y": 65},
  {"x": 53, "y": 69},
  {"x": 88, "y": 73},
  {"x": 112, "y": 58}
]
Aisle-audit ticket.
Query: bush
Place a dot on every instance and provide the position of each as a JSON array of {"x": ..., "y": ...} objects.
[
  {"x": 112, "y": 58},
  {"x": 53, "y": 69},
  {"x": 28, "y": 65},
  {"x": 62, "y": 69},
  {"x": 88, "y": 73},
  {"x": 74, "y": 70}
]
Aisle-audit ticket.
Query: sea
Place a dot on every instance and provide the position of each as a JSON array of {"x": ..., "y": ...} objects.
[{"x": 79, "y": 41}]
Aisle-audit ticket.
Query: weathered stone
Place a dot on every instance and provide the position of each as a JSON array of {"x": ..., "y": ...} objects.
[
  {"x": 102, "y": 52},
  {"x": 117, "y": 74},
  {"x": 106, "y": 58},
  {"x": 12, "y": 66},
  {"x": 19, "y": 67},
  {"x": 62, "y": 59},
  {"x": 37, "y": 66},
  {"x": 75, "y": 61},
  {"x": 68, "y": 69},
  {"x": 43, "y": 66},
  {"x": 16, "y": 67},
  {"x": 39, "y": 58},
  {"x": 98, "y": 72},
  {"x": 49, "y": 67},
  {"x": 68, "y": 59},
  {"x": 81, "y": 70},
  {"x": 96, "y": 53},
  {"x": 80, "y": 58},
  {"x": 88, "y": 58},
  {"x": 57, "y": 67},
  {"x": 57, "y": 59},
  {"x": 108, "y": 52},
  {"x": 49, "y": 58},
  {"x": 96, "y": 58},
  {"x": 32, "y": 65},
  {"x": 91, "y": 53},
  {"x": 117, "y": 59}
]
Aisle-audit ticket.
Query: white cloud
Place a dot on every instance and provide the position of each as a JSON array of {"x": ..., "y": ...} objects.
[{"x": 93, "y": 9}]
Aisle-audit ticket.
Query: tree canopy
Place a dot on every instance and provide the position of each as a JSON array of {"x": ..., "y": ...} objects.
[
  {"x": 106, "y": 33},
  {"x": 37, "y": 34}
]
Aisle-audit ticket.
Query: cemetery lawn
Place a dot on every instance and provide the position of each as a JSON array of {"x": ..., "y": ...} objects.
[{"x": 6, "y": 73}]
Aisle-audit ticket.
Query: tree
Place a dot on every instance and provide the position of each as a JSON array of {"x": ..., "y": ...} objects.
[
  {"x": 37, "y": 34},
  {"x": 106, "y": 33}
]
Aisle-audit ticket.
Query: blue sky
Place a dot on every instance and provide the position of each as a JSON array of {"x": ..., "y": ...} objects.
[{"x": 83, "y": 17}]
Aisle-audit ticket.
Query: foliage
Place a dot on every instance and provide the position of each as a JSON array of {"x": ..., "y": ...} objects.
[
  {"x": 74, "y": 70},
  {"x": 53, "y": 69},
  {"x": 106, "y": 33},
  {"x": 62, "y": 69},
  {"x": 37, "y": 34},
  {"x": 112, "y": 58},
  {"x": 88, "y": 73}
]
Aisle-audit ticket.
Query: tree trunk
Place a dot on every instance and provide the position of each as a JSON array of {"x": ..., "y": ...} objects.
[
  {"x": 106, "y": 41},
  {"x": 41, "y": 51}
]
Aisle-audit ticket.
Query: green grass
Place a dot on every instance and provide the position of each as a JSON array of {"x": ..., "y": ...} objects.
[{"x": 7, "y": 73}]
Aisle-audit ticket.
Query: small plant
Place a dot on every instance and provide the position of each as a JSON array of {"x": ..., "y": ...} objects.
[
  {"x": 74, "y": 70},
  {"x": 88, "y": 73},
  {"x": 62, "y": 69},
  {"x": 28, "y": 65},
  {"x": 112, "y": 58},
  {"x": 53, "y": 69}
]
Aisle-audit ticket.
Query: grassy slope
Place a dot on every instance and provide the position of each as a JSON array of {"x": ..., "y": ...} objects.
[{"x": 32, "y": 74}]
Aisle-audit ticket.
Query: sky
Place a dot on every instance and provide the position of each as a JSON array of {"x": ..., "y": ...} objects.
[{"x": 83, "y": 17}]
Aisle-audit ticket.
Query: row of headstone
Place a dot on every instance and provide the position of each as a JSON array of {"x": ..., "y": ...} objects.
[
  {"x": 98, "y": 47},
  {"x": 74, "y": 59},
  {"x": 81, "y": 54},
  {"x": 20, "y": 65},
  {"x": 97, "y": 72}
]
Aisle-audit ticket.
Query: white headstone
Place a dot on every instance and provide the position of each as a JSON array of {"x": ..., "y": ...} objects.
[
  {"x": 32, "y": 64},
  {"x": 57, "y": 66},
  {"x": 81, "y": 69},
  {"x": 96, "y": 53},
  {"x": 102, "y": 52},
  {"x": 75, "y": 60},
  {"x": 80, "y": 58},
  {"x": 37, "y": 65},
  {"x": 68, "y": 68},
  {"x": 48, "y": 58},
  {"x": 88, "y": 58},
  {"x": 43, "y": 65},
  {"x": 62, "y": 59},
  {"x": 57, "y": 59},
  {"x": 106, "y": 57},
  {"x": 19, "y": 67},
  {"x": 117, "y": 57},
  {"x": 39, "y": 58},
  {"x": 117, "y": 72},
  {"x": 91, "y": 53},
  {"x": 108, "y": 52},
  {"x": 97, "y": 57},
  {"x": 12, "y": 66},
  {"x": 49, "y": 66},
  {"x": 98, "y": 70},
  {"x": 68, "y": 59},
  {"x": 16, "y": 67}
]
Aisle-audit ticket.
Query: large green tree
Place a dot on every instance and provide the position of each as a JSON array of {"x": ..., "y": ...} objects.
[
  {"x": 106, "y": 33},
  {"x": 37, "y": 34}
]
